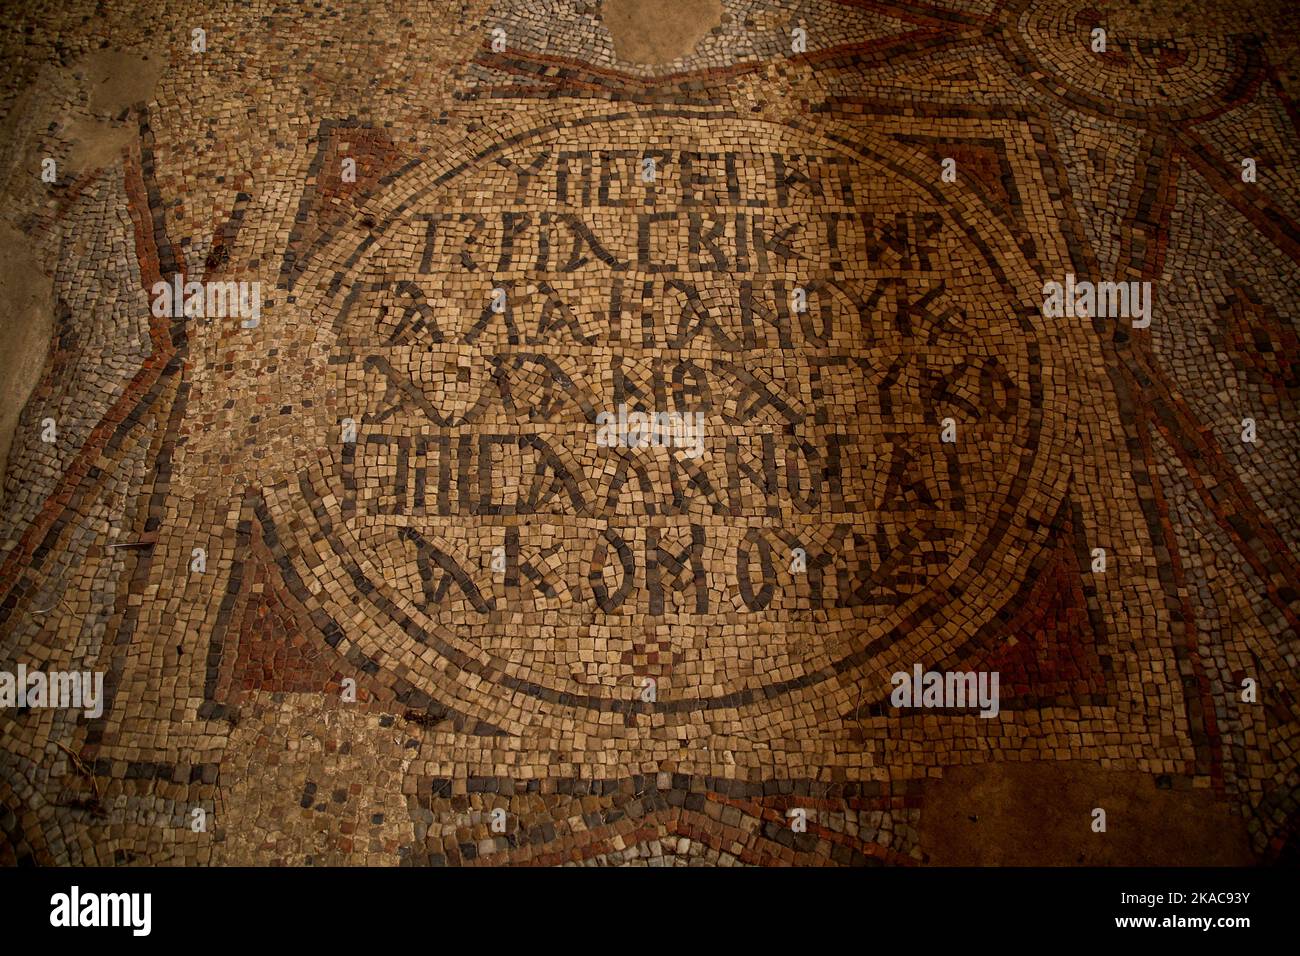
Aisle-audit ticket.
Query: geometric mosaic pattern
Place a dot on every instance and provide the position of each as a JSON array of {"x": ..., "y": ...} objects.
[{"x": 428, "y": 594}]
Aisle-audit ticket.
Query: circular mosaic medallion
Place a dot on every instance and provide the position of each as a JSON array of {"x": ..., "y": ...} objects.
[{"x": 630, "y": 426}]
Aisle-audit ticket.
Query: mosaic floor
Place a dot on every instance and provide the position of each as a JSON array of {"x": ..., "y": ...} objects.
[{"x": 367, "y": 585}]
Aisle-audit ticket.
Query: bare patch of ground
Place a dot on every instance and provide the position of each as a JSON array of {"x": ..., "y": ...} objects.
[
  {"x": 117, "y": 80},
  {"x": 1040, "y": 814},
  {"x": 113, "y": 81},
  {"x": 26, "y": 324},
  {"x": 659, "y": 31}
]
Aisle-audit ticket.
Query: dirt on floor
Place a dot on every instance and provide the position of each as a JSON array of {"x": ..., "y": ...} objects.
[{"x": 1041, "y": 814}]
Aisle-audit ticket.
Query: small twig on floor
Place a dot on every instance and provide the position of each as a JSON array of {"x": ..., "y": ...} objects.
[
  {"x": 80, "y": 766},
  {"x": 61, "y": 602}
]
